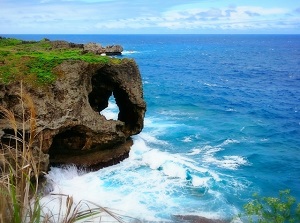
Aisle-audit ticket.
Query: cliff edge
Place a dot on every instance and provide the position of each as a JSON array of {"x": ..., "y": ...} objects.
[{"x": 69, "y": 126}]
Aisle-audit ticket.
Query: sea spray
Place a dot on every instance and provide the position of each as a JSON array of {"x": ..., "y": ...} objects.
[{"x": 150, "y": 183}]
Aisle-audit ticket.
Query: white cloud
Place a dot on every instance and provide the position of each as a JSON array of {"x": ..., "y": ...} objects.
[
  {"x": 134, "y": 23},
  {"x": 239, "y": 18},
  {"x": 76, "y": 16}
]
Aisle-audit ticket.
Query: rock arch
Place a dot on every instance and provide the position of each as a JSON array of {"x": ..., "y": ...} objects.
[
  {"x": 107, "y": 82},
  {"x": 70, "y": 127}
]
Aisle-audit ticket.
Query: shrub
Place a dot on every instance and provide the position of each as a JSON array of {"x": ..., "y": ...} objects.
[{"x": 282, "y": 209}]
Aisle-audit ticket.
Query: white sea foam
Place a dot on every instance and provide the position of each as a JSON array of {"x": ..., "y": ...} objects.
[
  {"x": 172, "y": 169},
  {"x": 195, "y": 151},
  {"x": 146, "y": 184},
  {"x": 210, "y": 85},
  {"x": 187, "y": 139},
  {"x": 230, "y": 110},
  {"x": 200, "y": 181},
  {"x": 152, "y": 139},
  {"x": 210, "y": 157},
  {"x": 155, "y": 159},
  {"x": 229, "y": 141},
  {"x": 112, "y": 110},
  {"x": 122, "y": 187},
  {"x": 128, "y": 52},
  {"x": 227, "y": 162}
]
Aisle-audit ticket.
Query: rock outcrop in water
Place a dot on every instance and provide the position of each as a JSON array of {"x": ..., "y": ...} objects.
[
  {"x": 70, "y": 127},
  {"x": 95, "y": 48}
]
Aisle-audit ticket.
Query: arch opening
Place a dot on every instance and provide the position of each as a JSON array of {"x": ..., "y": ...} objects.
[
  {"x": 112, "y": 111},
  {"x": 108, "y": 98}
]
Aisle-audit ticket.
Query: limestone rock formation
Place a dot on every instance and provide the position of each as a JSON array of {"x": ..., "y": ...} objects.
[
  {"x": 70, "y": 127},
  {"x": 113, "y": 50},
  {"x": 96, "y": 48},
  {"x": 61, "y": 44}
]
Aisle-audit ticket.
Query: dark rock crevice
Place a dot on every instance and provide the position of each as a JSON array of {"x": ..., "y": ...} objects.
[
  {"x": 102, "y": 89},
  {"x": 74, "y": 138},
  {"x": 127, "y": 113}
]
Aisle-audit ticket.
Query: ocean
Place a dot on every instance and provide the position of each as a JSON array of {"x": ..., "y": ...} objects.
[{"x": 222, "y": 123}]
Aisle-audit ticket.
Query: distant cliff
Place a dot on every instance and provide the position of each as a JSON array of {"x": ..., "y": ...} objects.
[{"x": 69, "y": 126}]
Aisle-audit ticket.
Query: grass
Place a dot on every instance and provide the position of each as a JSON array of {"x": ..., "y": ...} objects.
[
  {"x": 20, "y": 171},
  {"x": 19, "y": 167},
  {"x": 33, "y": 62}
]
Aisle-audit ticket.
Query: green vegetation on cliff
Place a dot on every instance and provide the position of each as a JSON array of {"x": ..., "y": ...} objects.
[{"x": 33, "y": 61}]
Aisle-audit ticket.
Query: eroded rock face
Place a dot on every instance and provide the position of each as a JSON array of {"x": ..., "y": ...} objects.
[
  {"x": 61, "y": 44},
  {"x": 69, "y": 124},
  {"x": 96, "y": 48}
]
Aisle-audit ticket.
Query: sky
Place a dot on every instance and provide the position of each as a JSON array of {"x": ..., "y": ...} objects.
[{"x": 149, "y": 17}]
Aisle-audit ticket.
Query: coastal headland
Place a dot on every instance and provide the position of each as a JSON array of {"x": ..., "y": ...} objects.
[{"x": 69, "y": 85}]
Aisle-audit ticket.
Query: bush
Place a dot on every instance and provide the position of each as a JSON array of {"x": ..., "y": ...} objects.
[{"x": 272, "y": 209}]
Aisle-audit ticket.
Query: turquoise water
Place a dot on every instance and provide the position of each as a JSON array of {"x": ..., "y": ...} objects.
[{"x": 222, "y": 122}]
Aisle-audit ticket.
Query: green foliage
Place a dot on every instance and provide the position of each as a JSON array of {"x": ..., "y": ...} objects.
[
  {"x": 4, "y": 54},
  {"x": 33, "y": 62},
  {"x": 9, "y": 42},
  {"x": 42, "y": 69},
  {"x": 272, "y": 209}
]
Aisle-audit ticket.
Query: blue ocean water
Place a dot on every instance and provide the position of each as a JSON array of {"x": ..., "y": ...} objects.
[{"x": 222, "y": 122}]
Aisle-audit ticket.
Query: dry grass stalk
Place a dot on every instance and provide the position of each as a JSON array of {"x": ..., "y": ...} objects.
[{"x": 20, "y": 166}]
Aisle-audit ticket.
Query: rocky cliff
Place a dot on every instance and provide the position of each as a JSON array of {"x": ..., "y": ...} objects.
[{"x": 69, "y": 126}]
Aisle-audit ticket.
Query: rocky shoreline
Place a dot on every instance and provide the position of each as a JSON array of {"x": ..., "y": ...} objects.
[{"x": 195, "y": 219}]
